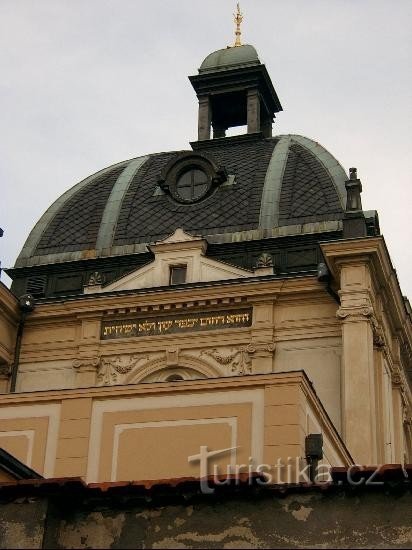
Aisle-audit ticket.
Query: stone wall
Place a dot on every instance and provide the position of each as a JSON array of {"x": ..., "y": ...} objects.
[{"x": 246, "y": 518}]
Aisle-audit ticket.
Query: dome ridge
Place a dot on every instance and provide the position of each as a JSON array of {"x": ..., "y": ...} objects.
[
  {"x": 118, "y": 211},
  {"x": 35, "y": 235}
]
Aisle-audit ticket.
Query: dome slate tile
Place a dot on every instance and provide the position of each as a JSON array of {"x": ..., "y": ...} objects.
[
  {"x": 308, "y": 179},
  {"x": 145, "y": 218},
  {"x": 76, "y": 225},
  {"x": 307, "y": 188}
]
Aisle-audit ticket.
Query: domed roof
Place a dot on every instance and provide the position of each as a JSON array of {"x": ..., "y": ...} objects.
[
  {"x": 230, "y": 58},
  {"x": 272, "y": 184}
]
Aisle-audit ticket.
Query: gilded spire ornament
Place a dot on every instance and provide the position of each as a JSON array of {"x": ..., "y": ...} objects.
[{"x": 238, "y": 17}]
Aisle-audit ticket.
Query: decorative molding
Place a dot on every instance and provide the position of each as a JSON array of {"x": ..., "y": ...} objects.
[
  {"x": 364, "y": 313},
  {"x": 219, "y": 357},
  {"x": 5, "y": 371},
  {"x": 239, "y": 361},
  {"x": 96, "y": 278},
  {"x": 264, "y": 260},
  {"x": 177, "y": 306},
  {"x": 406, "y": 418},
  {"x": 243, "y": 363},
  {"x": 113, "y": 368},
  {"x": 354, "y": 314},
  {"x": 158, "y": 362},
  {"x": 397, "y": 378},
  {"x": 172, "y": 357},
  {"x": 379, "y": 340},
  {"x": 261, "y": 348}
]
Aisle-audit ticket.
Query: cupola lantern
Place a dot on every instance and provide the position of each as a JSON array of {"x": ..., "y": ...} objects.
[{"x": 234, "y": 89}]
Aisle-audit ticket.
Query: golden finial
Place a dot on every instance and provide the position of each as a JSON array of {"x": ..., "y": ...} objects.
[{"x": 238, "y": 19}]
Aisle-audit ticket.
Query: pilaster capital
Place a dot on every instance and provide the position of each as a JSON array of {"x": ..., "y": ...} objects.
[
  {"x": 355, "y": 314},
  {"x": 260, "y": 348},
  {"x": 362, "y": 314},
  {"x": 86, "y": 364}
]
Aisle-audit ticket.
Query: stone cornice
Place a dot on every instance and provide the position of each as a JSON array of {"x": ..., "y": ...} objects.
[
  {"x": 167, "y": 299},
  {"x": 374, "y": 251},
  {"x": 159, "y": 388}
]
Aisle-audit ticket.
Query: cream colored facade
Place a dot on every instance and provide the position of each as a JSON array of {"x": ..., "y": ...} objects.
[
  {"x": 148, "y": 431},
  {"x": 111, "y": 409}
]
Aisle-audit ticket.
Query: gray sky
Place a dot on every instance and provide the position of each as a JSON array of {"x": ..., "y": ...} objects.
[{"x": 87, "y": 83}]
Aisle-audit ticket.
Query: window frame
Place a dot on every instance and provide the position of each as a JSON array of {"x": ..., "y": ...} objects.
[
  {"x": 184, "y": 162},
  {"x": 177, "y": 266}
]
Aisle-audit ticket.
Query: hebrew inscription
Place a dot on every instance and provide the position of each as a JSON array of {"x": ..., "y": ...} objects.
[{"x": 152, "y": 326}]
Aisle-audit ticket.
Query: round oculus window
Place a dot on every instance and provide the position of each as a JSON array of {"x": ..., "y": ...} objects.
[{"x": 192, "y": 185}]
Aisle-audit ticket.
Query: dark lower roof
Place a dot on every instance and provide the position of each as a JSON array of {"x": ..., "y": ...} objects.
[
  {"x": 12, "y": 466},
  {"x": 352, "y": 477}
]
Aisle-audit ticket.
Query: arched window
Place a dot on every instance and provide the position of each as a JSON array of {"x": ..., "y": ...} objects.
[
  {"x": 175, "y": 374},
  {"x": 174, "y": 378}
]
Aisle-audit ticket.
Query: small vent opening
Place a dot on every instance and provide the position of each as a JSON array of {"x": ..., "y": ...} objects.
[{"x": 36, "y": 285}]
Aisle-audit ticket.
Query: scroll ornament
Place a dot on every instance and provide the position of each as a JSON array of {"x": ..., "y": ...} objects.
[
  {"x": 239, "y": 361},
  {"x": 365, "y": 313},
  {"x": 406, "y": 418},
  {"x": 5, "y": 371},
  {"x": 86, "y": 364},
  {"x": 112, "y": 369},
  {"x": 396, "y": 377},
  {"x": 355, "y": 313},
  {"x": 261, "y": 348}
]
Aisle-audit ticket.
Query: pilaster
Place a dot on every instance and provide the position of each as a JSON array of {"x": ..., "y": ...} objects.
[
  {"x": 88, "y": 358},
  {"x": 73, "y": 442},
  {"x": 253, "y": 111},
  {"x": 374, "y": 317},
  {"x": 262, "y": 347},
  {"x": 357, "y": 317},
  {"x": 205, "y": 118}
]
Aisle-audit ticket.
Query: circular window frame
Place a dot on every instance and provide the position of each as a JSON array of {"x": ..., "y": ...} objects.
[
  {"x": 186, "y": 162},
  {"x": 187, "y": 168}
]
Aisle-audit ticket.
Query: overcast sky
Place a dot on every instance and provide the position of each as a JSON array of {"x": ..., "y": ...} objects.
[{"x": 87, "y": 83}]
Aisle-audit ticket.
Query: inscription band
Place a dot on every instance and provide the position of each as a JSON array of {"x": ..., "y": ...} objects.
[{"x": 152, "y": 326}]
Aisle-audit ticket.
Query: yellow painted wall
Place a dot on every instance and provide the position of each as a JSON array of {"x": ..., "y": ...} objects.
[{"x": 148, "y": 431}]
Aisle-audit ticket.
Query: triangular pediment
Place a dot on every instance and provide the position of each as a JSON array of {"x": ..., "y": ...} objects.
[
  {"x": 178, "y": 250},
  {"x": 179, "y": 236}
]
